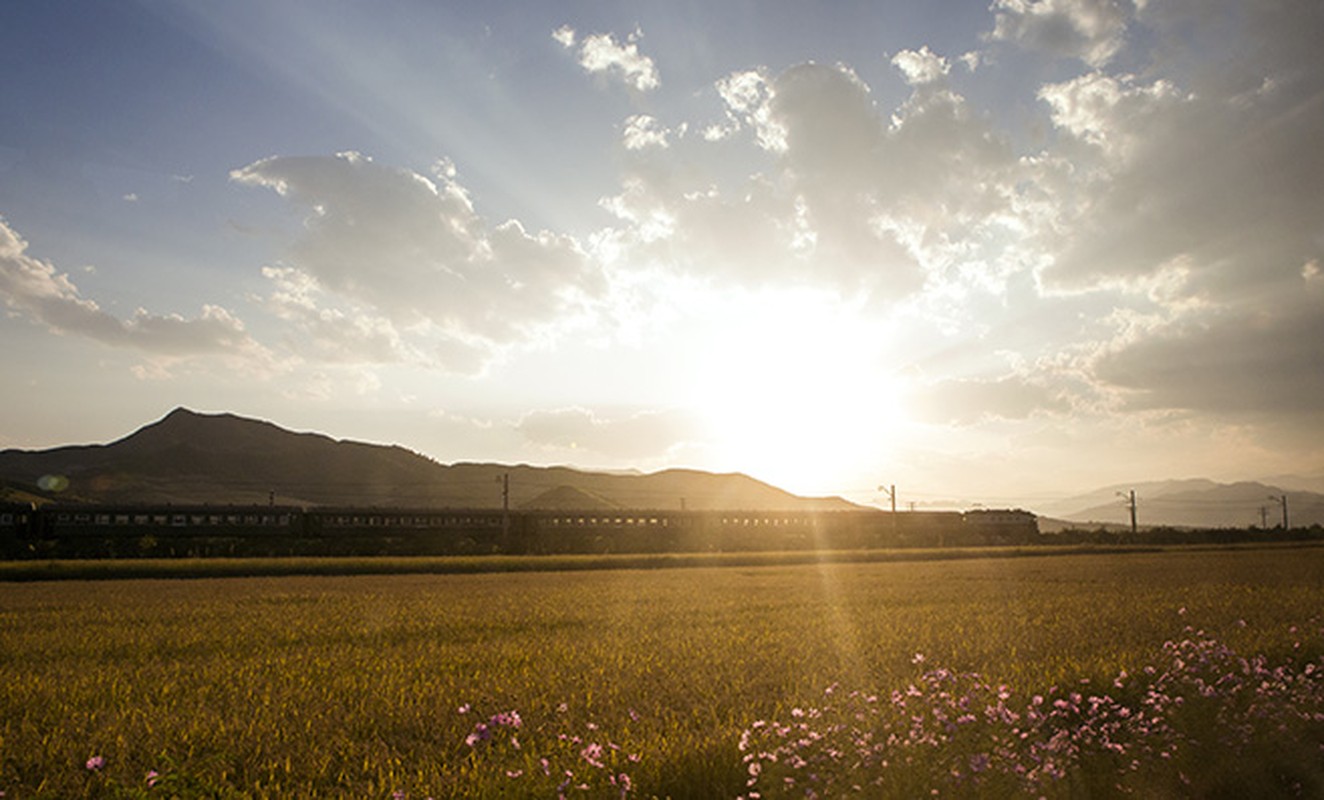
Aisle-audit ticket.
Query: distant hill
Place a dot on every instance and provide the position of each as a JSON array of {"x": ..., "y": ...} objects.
[
  {"x": 1196, "y": 503},
  {"x": 188, "y": 457},
  {"x": 569, "y": 498}
]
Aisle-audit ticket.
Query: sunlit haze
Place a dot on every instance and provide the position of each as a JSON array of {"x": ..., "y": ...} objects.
[{"x": 987, "y": 252}]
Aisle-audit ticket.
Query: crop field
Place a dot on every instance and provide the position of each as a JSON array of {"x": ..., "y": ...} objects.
[{"x": 1182, "y": 672}]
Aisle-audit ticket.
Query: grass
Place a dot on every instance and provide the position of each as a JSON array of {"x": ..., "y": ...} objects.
[
  {"x": 351, "y": 686},
  {"x": 131, "y": 569}
]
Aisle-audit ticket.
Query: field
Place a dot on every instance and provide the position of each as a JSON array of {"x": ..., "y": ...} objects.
[{"x": 646, "y": 682}]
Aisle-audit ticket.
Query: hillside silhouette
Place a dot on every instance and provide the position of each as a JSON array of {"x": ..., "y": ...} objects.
[{"x": 188, "y": 457}]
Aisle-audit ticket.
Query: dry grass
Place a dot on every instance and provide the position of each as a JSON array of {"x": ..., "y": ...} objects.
[{"x": 333, "y": 686}]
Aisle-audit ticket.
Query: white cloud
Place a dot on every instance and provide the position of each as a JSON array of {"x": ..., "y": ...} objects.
[
  {"x": 850, "y": 199},
  {"x": 565, "y": 36},
  {"x": 601, "y": 53},
  {"x": 642, "y": 131},
  {"x": 1090, "y": 30},
  {"x": 330, "y": 333},
  {"x": 921, "y": 66},
  {"x": 1115, "y": 114},
  {"x": 34, "y": 289},
  {"x": 410, "y": 259}
]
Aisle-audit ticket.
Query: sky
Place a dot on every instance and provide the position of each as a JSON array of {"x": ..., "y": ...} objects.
[{"x": 985, "y": 252}]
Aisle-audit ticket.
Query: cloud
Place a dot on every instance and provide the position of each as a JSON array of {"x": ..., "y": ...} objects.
[
  {"x": 411, "y": 259},
  {"x": 329, "y": 333},
  {"x": 601, "y": 53},
  {"x": 33, "y": 288},
  {"x": 641, "y": 435},
  {"x": 641, "y": 131},
  {"x": 967, "y": 401},
  {"x": 1186, "y": 204},
  {"x": 849, "y": 198},
  {"x": 1090, "y": 30},
  {"x": 1166, "y": 172},
  {"x": 1258, "y": 364},
  {"x": 921, "y": 66}
]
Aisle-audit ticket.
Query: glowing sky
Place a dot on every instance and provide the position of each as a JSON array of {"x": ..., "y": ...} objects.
[{"x": 987, "y": 253}]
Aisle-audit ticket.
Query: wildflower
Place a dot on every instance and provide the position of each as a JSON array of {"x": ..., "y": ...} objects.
[
  {"x": 593, "y": 754},
  {"x": 464, "y": 709},
  {"x": 152, "y": 778},
  {"x": 481, "y": 733},
  {"x": 95, "y": 763}
]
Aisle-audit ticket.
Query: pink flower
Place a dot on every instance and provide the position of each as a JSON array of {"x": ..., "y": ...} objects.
[
  {"x": 95, "y": 763},
  {"x": 152, "y": 777}
]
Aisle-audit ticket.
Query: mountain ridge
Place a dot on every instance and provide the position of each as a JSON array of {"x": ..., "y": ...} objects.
[
  {"x": 1195, "y": 503},
  {"x": 192, "y": 457}
]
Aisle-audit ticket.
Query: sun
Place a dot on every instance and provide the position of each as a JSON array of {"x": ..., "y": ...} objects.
[{"x": 792, "y": 392}]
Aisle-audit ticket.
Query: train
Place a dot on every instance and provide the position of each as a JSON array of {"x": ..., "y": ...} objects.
[{"x": 56, "y": 530}]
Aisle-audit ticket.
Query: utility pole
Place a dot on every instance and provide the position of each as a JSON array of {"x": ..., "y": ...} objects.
[
  {"x": 504, "y": 480},
  {"x": 891, "y": 495},
  {"x": 1131, "y": 503},
  {"x": 1264, "y": 518},
  {"x": 1283, "y": 501}
]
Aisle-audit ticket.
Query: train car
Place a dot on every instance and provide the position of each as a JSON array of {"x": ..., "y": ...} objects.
[
  {"x": 990, "y": 526},
  {"x": 412, "y": 531},
  {"x": 16, "y": 523},
  {"x": 118, "y": 531}
]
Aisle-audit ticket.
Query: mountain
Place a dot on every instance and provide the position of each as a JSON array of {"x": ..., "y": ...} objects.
[
  {"x": 1196, "y": 503},
  {"x": 1073, "y": 507},
  {"x": 1298, "y": 483},
  {"x": 188, "y": 457},
  {"x": 568, "y": 498}
]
